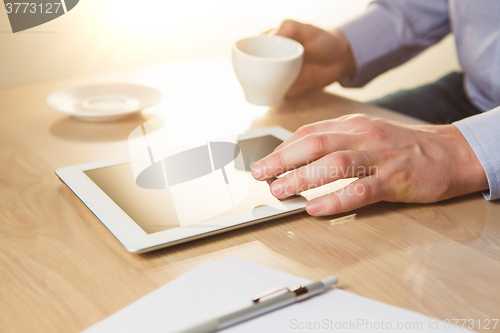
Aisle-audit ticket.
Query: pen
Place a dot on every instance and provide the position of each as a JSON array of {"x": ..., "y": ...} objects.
[{"x": 260, "y": 306}]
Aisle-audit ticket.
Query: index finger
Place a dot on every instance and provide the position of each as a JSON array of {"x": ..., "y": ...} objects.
[
  {"x": 341, "y": 124},
  {"x": 295, "y": 30},
  {"x": 321, "y": 126},
  {"x": 301, "y": 152}
]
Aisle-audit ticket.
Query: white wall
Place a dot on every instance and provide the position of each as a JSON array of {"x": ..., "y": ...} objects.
[{"x": 106, "y": 35}]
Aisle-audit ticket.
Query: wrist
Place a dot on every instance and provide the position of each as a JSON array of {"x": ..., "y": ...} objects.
[
  {"x": 471, "y": 176},
  {"x": 346, "y": 60}
]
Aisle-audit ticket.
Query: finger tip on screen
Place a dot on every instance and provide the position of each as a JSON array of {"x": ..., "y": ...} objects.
[{"x": 257, "y": 171}]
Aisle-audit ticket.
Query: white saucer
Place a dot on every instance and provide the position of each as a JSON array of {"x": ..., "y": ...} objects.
[{"x": 103, "y": 102}]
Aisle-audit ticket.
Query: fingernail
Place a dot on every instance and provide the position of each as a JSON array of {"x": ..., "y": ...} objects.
[
  {"x": 258, "y": 170},
  {"x": 278, "y": 187},
  {"x": 313, "y": 207}
]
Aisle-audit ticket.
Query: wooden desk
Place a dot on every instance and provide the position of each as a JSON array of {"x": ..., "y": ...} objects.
[{"x": 61, "y": 270}]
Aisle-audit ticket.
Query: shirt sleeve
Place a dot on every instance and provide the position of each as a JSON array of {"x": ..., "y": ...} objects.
[
  {"x": 482, "y": 131},
  {"x": 391, "y": 32}
]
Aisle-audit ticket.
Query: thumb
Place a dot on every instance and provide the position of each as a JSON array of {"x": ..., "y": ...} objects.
[
  {"x": 293, "y": 29},
  {"x": 319, "y": 45}
]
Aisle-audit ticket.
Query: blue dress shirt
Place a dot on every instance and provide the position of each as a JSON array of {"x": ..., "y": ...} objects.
[{"x": 391, "y": 32}]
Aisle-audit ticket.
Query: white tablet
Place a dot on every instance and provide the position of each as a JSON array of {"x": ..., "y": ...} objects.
[{"x": 145, "y": 216}]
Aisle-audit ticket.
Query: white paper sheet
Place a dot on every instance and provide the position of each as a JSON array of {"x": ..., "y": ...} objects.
[{"x": 213, "y": 289}]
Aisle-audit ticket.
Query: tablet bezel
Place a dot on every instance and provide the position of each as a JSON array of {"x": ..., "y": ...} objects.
[{"x": 132, "y": 236}]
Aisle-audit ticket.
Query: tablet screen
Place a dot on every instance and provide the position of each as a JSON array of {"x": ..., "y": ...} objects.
[{"x": 154, "y": 210}]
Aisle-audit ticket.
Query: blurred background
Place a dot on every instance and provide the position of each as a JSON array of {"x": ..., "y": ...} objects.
[{"x": 100, "y": 36}]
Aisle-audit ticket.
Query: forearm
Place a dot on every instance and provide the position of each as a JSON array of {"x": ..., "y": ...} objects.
[
  {"x": 391, "y": 32},
  {"x": 347, "y": 62}
]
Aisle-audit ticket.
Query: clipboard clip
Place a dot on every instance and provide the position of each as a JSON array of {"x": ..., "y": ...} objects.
[
  {"x": 257, "y": 298},
  {"x": 300, "y": 292}
]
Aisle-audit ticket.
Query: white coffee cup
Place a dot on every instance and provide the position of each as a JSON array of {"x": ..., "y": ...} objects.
[{"x": 266, "y": 67}]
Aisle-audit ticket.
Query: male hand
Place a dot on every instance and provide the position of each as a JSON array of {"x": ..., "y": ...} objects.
[
  {"x": 395, "y": 162},
  {"x": 327, "y": 56}
]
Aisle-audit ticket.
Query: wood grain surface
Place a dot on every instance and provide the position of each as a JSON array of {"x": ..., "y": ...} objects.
[{"x": 61, "y": 270}]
